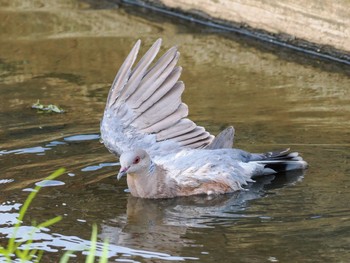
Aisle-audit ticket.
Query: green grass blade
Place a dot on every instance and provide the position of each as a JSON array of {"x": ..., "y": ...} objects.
[
  {"x": 66, "y": 256},
  {"x": 50, "y": 222},
  {"x": 20, "y": 254},
  {"x": 31, "y": 196},
  {"x": 104, "y": 256},
  {"x": 24, "y": 208},
  {"x": 39, "y": 256},
  {"x": 91, "y": 256},
  {"x": 12, "y": 244}
]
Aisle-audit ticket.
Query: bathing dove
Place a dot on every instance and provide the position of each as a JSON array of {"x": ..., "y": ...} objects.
[{"x": 163, "y": 153}]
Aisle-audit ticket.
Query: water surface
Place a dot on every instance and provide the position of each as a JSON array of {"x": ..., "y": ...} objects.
[{"x": 67, "y": 53}]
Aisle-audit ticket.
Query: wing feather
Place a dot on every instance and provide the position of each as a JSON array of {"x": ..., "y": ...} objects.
[
  {"x": 196, "y": 132},
  {"x": 201, "y": 143},
  {"x": 144, "y": 107},
  {"x": 123, "y": 75},
  {"x": 169, "y": 121},
  {"x": 139, "y": 71},
  {"x": 169, "y": 84},
  {"x": 181, "y": 127},
  {"x": 223, "y": 140},
  {"x": 197, "y": 138},
  {"x": 154, "y": 79}
]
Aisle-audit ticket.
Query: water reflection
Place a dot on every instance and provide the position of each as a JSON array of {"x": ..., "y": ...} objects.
[
  {"x": 152, "y": 229},
  {"x": 162, "y": 224},
  {"x": 53, "y": 242}
]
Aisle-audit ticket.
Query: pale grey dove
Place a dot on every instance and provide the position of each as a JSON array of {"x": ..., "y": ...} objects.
[{"x": 165, "y": 154}]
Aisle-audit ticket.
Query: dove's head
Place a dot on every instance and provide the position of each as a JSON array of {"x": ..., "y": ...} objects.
[{"x": 135, "y": 162}]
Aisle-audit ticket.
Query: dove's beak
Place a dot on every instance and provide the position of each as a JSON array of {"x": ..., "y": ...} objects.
[{"x": 122, "y": 172}]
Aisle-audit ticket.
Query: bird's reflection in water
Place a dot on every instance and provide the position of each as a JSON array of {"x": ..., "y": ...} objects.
[{"x": 161, "y": 224}]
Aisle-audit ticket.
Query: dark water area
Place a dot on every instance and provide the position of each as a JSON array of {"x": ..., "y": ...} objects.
[{"x": 67, "y": 53}]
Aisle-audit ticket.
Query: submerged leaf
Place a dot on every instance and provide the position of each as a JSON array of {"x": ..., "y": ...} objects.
[{"x": 47, "y": 108}]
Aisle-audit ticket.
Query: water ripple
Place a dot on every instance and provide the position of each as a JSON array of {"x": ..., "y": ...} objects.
[
  {"x": 47, "y": 183},
  {"x": 43, "y": 240},
  {"x": 82, "y": 137},
  {"x": 36, "y": 149},
  {"x": 6, "y": 181},
  {"x": 41, "y": 150},
  {"x": 98, "y": 167}
]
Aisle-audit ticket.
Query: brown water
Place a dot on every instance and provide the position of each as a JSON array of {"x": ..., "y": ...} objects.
[{"x": 67, "y": 52}]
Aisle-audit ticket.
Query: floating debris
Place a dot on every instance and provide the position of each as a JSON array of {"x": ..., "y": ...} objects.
[{"x": 47, "y": 108}]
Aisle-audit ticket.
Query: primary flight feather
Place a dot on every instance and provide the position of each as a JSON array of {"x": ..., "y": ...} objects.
[{"x": 163, "y": 153}]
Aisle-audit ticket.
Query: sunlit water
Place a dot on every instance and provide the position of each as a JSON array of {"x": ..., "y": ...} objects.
[{"x": 67, "y": 53}]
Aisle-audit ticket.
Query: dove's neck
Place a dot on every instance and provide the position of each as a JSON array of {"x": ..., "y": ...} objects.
[{"x": 148, "y": 183}]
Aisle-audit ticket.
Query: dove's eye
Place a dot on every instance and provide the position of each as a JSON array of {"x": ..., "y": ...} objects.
[{"x": 137, "y": 160}]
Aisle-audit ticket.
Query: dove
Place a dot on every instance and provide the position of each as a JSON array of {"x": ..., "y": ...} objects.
[{"x": 162, "y": 152}]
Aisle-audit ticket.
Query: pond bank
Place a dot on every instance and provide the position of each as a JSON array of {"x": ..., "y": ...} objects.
[{"x": 320, "y": 29}]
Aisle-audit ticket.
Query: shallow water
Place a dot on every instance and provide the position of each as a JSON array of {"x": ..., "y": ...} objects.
[{"x": 67, "y": 53}]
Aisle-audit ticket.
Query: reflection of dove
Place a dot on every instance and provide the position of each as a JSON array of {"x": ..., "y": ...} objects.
[
  {"x": 164, "y": 153},
  {"x": 160, "y": 225}
]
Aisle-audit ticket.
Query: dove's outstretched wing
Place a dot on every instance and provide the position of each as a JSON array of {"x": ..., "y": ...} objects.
[{"x": 144, "y": 107}]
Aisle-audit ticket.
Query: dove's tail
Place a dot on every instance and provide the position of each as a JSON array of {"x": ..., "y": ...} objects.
[{"x": 279, "y": 161}]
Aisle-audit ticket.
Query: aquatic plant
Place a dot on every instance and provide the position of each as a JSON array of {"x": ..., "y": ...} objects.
[
  {"x": 92, "y": 250},
  {"x": 47, "y": 108},
  {"x": 22, "y": 250}
]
